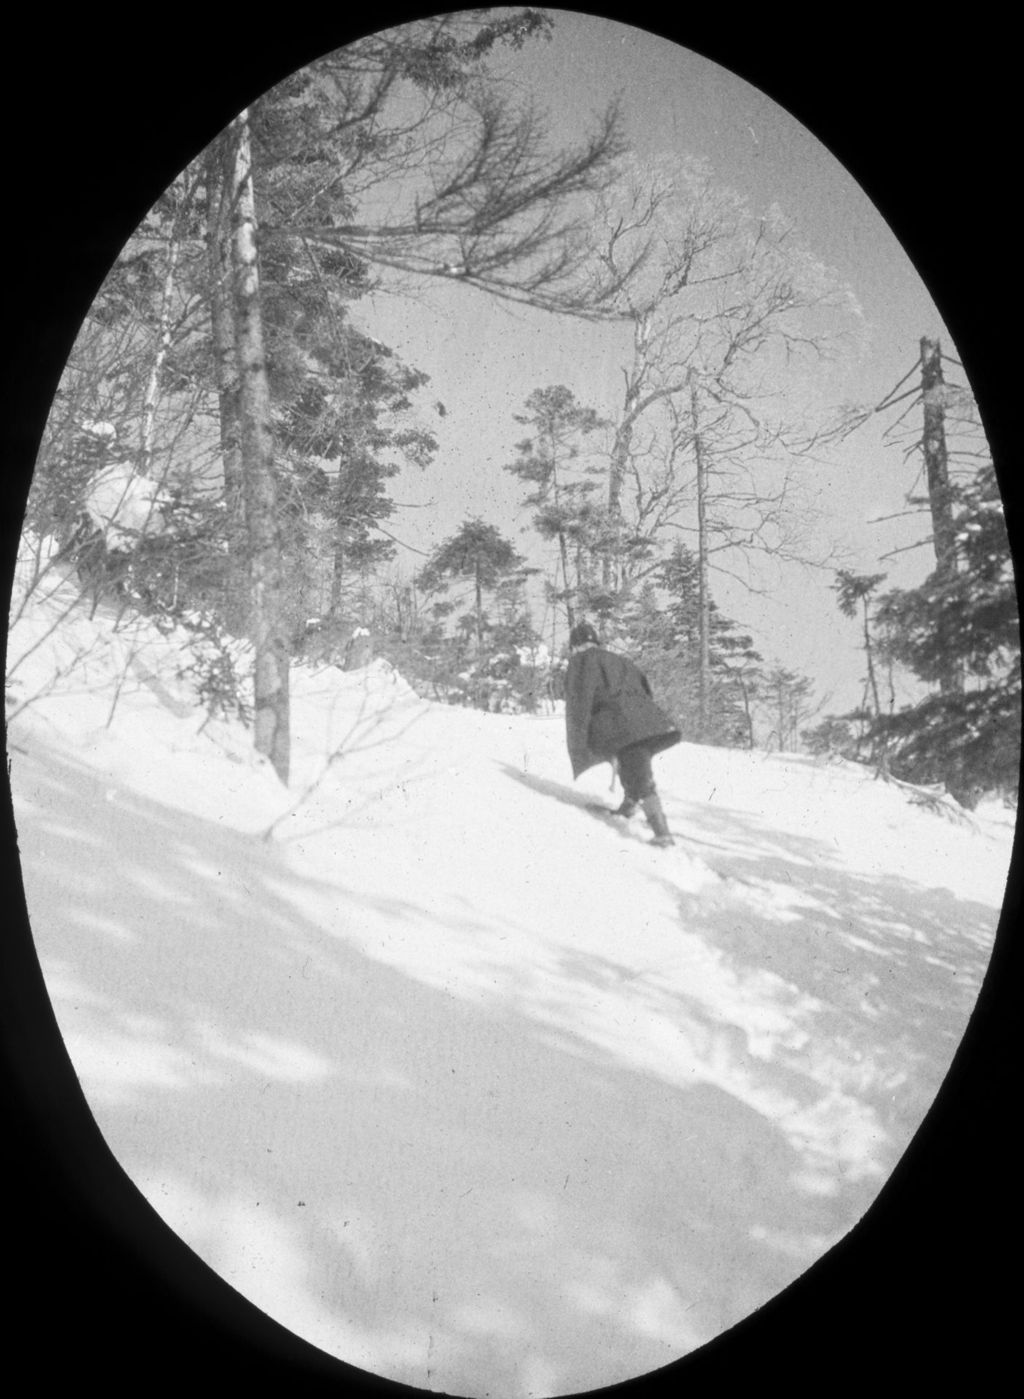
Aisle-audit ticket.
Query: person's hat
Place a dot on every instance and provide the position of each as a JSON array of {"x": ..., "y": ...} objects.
[{"x": 583, "y": 634}]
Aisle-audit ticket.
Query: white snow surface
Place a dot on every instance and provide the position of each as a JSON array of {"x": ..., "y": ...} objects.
[{"x": 461, "y": 1083}]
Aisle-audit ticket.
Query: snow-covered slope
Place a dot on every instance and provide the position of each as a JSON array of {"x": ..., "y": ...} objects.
[{"x": 458, "y": 1081}]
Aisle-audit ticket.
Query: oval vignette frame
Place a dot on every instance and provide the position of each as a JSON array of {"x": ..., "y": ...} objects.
[{"x": 120, "y": 1287}]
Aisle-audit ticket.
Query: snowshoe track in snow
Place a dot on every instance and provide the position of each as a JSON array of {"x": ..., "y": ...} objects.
[{"x": 675, "y": 853}]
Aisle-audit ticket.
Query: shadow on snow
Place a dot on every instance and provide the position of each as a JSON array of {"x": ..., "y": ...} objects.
[{"x": 472, "y": 1195}]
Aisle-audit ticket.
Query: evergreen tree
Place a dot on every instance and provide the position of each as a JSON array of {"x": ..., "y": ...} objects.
[
  {"x": 969, "y": 741},
  {"x": 568, "y": 513},
  {"x": 732, "y": 660},
  {"x": 784, "y": 694},
  {"x": 231, "y": 301},
  {"x": 475, "y": 191},
  {"x": 662, "y": 626},
  {"x": 499, "y": 210},
  {"x": 479, "y": 555},
  {"x": 833, "y": 736}
]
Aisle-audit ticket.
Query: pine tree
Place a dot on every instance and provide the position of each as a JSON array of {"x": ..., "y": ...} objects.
[
  {"x": 477, "y": 554},
  {"x": 785, "y": 692},
  {"x": 662, "y": 626},
  {"x": 500, "y": 210},
  {"x": 237, "y": 288},
  {"x": 553, "y": 460},
  {"x": 967, "y": 739}
]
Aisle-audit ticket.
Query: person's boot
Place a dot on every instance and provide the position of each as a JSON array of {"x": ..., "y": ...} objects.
[
  {"x": 627, "y": 807},
  {"x": 656, "y": 820}
]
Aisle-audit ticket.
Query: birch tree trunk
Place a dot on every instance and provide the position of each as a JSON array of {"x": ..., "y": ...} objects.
[
  {"x": 164, "y": 335},
  {"x": 266, "y": 580},
  {"x": 225, "y": 358}
]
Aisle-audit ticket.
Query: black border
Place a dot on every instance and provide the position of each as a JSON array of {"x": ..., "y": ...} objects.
[{"x": 102, "y": 107}]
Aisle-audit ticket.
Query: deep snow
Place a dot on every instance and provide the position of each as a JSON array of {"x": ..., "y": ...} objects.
[{"x": 461, "y": 1084}]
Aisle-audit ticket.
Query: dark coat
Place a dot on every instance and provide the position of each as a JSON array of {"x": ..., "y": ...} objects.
[{"x": 608, "y": 706}]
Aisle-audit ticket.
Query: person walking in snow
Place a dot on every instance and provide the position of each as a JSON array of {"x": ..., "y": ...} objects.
[{"x": 611, "y": 716}]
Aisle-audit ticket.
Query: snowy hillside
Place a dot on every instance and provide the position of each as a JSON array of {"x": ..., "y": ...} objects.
[{"x": 459, "y": 1082}]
